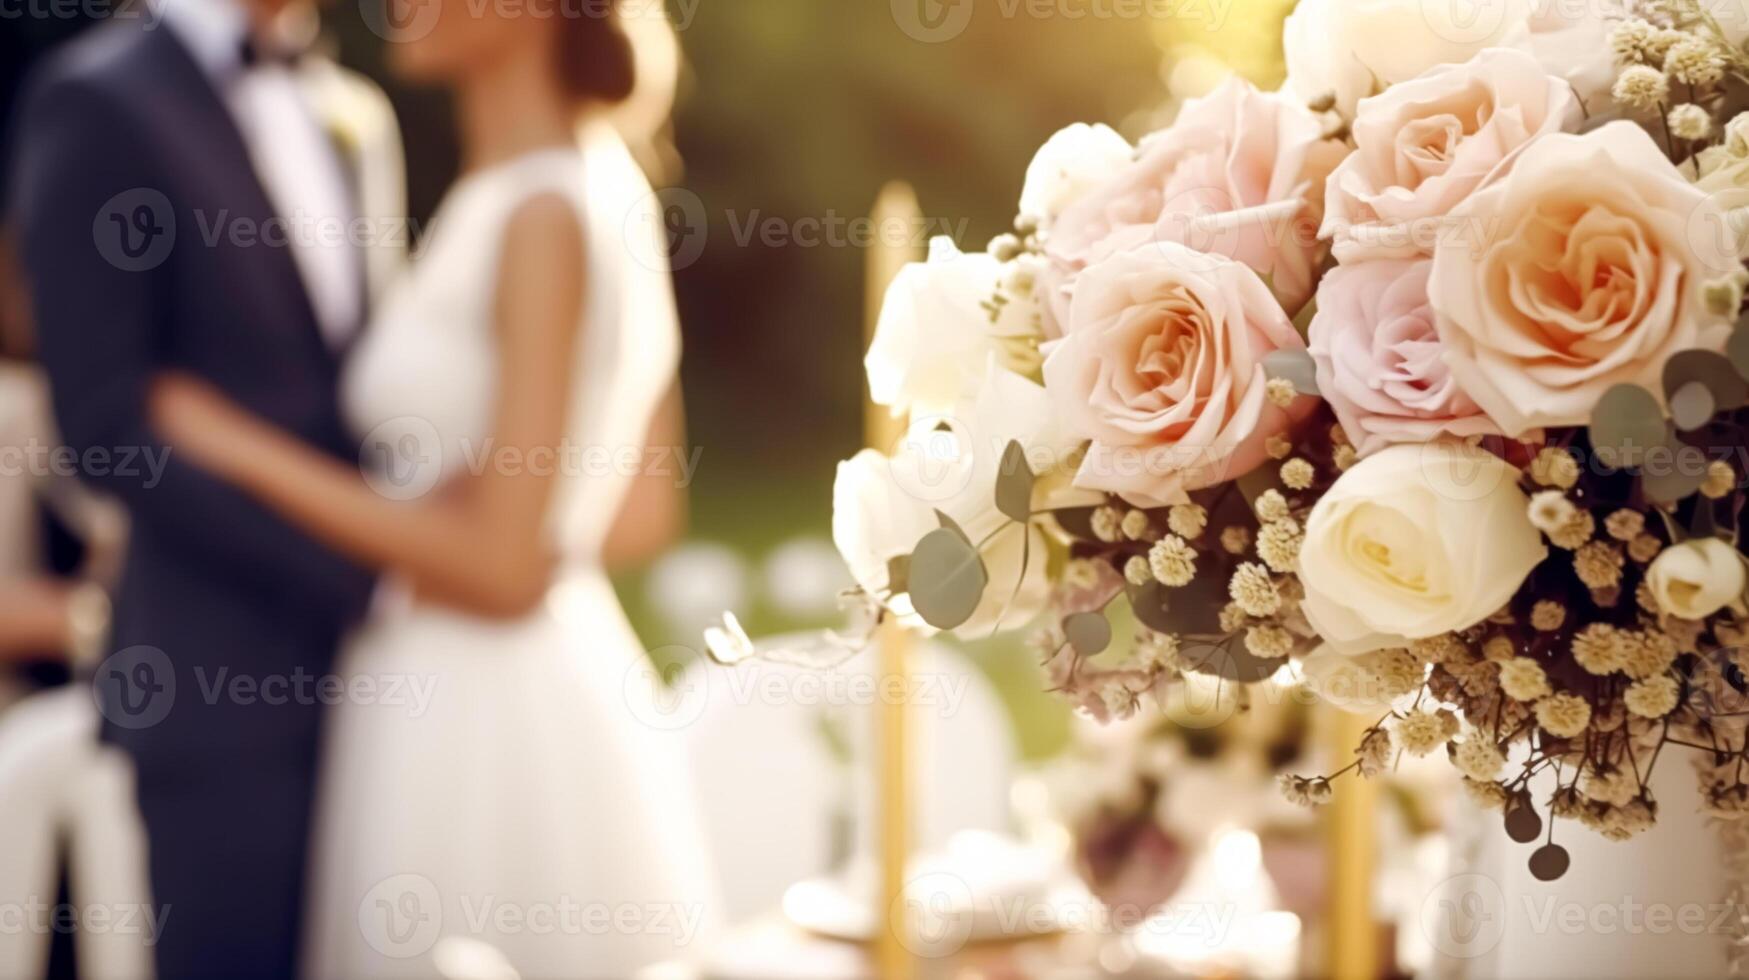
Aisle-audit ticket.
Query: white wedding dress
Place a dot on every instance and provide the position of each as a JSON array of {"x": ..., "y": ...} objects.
[{"x": 528, "y": 812}]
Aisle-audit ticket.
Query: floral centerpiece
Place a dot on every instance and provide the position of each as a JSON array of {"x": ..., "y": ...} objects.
[{"x": 1425, "y": 370}]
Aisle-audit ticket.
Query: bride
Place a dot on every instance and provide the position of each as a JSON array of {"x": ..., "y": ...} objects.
[{"x": 509, "y": 802}]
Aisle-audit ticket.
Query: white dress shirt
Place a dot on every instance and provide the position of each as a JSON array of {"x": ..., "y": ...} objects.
[{"x": 294, "y": 157}]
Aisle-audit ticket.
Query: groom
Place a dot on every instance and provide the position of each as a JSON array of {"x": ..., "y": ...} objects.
[{"x": 186, "y": 198}]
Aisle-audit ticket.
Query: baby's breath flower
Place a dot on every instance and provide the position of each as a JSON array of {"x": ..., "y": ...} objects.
[
  {"x": 1232, "y": 618},
  {"x": 1119, "y": 701},
  {"x": 1278, "y": 544},
  {"x": 1271, "y": 506},
  {"x": 1563, "y": 715},
  {"x": 1550, "y": 510},
  {"x": 1278, "y": 447},
  {"x": 1575, "y": 532},
  {"x": 1720, "y": 480},
  {"x": 1345, "y": 457},
  {"x": 1187, "y": 520},
  {"x": 1640, "y": 87},
  {"x": 1629, "y": 38},
  {"x": 1661, "y": 42},
  {"x": 1134, "y": 525},
  {"x": 1653, "y": 697},
  {"x": 1281, "y": 392},
  {"x": 1646, "y": 653},
  {"x": 1478, "y": 758},
  {"x": 1080, "y": 573},
  {"x": 1374, "y": 752},
  {"x": 1547, "y": 615},
  {"x": 1690, "y": 122},
  {"x": 1499, "y": 648},
  {"x": 1302, "y": 791},
  {"x": 1487, "y": 795},
  {"x": 1555, "y": 468},
  {"x": 1723, "y": 296},
  {"x": 1598, "y": 648},
  {"x": 1253, "y": 590},
  {"x": 1297, "y": 474},
  {"x": 1107, "y": 524},
  {"x": 1624, "y": 524},
  {"x": 1269, "y": 642},
  {"x": 1173, "y": 561},
  {"x": 1611, "y": 786},
  {"x": 1598, "y": 565},
  {"x": 1235, "y": 539},
  {"x": 1693, "y": 61},
  {"x": 1396, "y": 671},
  {"x": 1420, "y": 732},
  {"x": 1159, "y": 650},
  {"x": 1137, "y": 571},
  {"x": 1523, "y": 679},
  {"x": 1644, "y": 548}
]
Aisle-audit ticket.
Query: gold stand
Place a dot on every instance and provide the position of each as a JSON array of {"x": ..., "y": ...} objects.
[
  {"x": 896, "y": 207},
  {"x": 1352, "y": 937}
]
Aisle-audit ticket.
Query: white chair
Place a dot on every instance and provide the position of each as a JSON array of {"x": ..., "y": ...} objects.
[
  {"x": 58, "y": 784},
  {"x": 780, "y": 808}
]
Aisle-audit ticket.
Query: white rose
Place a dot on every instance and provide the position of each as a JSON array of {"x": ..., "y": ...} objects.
[
  {"x": 936, "y": 331},
  {"x": 1415, "y": 541},
  {"x": 882, "y": 506},
  {"x": 1351, "y": 48},
  {"x": 1071, "y": 163},
  {"x": 1697, "y": 578}
]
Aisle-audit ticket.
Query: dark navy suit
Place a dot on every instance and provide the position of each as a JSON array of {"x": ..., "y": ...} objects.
[{"x": 125, "y": 159}]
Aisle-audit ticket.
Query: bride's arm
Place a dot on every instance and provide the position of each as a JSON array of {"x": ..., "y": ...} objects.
[{"x": 478, "y": 544}]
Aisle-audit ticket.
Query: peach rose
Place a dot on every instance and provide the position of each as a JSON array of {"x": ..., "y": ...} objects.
[
  {"x": 1380, "y": 361},
  {"x": 1583, "y": 270},
  {"x": 1162, "y": 369},
  {"x": 1239, "y": 173},
  {"x": 1424, "y": 145}
]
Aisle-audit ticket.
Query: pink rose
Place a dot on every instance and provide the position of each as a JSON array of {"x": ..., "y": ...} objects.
[
  {"x": 1424, "y": 145},
  {"x": 1380, "y": 360},
  {"x": 1162, "y": 369},
  {"x": 1588, "y": 275},
  {"x": 1240, "y": 173}
]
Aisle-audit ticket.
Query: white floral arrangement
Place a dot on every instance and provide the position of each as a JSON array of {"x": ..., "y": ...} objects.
[{"x": 1424, "y": 373}]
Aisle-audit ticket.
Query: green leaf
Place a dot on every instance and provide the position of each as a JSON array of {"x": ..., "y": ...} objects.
[
  {"x": 1151, "y": 607},
  {"x": 1670, "y": 477},
  {"x": 1088, "y": 632},
  {"x": 1692, "y": 406},
  {"x": 947, "y": 578},
  {"x": 1626, "y": 423},
  {"x": 950, "y": 524},
  {"x": 1294, "y": 364},
  {"x": 1014, "y": 484},
  {"x": 1228, "y": 659},
  {"x": 1709, "y": 368}
]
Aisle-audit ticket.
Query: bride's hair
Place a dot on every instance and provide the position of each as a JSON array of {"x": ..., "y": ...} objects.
[{"x": 595, "y": 56}]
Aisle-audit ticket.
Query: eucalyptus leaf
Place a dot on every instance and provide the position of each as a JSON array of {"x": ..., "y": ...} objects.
[
  {"x": 1014, "y": 484},
  {"x": 1228, "y": 659},
  {"x": 1151, "y": 608},
  {"x": 1626, "y": 423},
  {"x": 1709, "y": 368},
  {"x": 1670, "y": 477},
  {"x": 1737, "y": 348},
  {"x": 898, "y": 574},
  {"x": 1088, "y": 632},
  {"x": 950, "y": 524},
  {"x": 1294, "y": 364},
  {"x": 947, "y": 578},
  {"x": 1692, "y": 406}
]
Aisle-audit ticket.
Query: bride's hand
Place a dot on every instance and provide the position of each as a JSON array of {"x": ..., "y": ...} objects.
[{"x": 198, "y": 419}]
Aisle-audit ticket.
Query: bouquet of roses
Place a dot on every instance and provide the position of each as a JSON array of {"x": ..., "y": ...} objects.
[{"x": 1424, "y": 371}]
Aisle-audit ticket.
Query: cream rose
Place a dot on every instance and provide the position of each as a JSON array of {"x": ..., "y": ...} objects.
[
  {"x": 1697, "y": 578},
  {"x": 1424, "y": 145},
  {"x": 1380, "y": 363},
  {"x": 1071, "y": 163},
  {"x": 1162, "y": 369},
  {"x": 1239, "y": 173},
  {"x": 883, "y": 505},
  {"x": 1415, "y": 541},
  {"x": 1580, "y": 268},
  {"x": 936, "y": 331}
]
